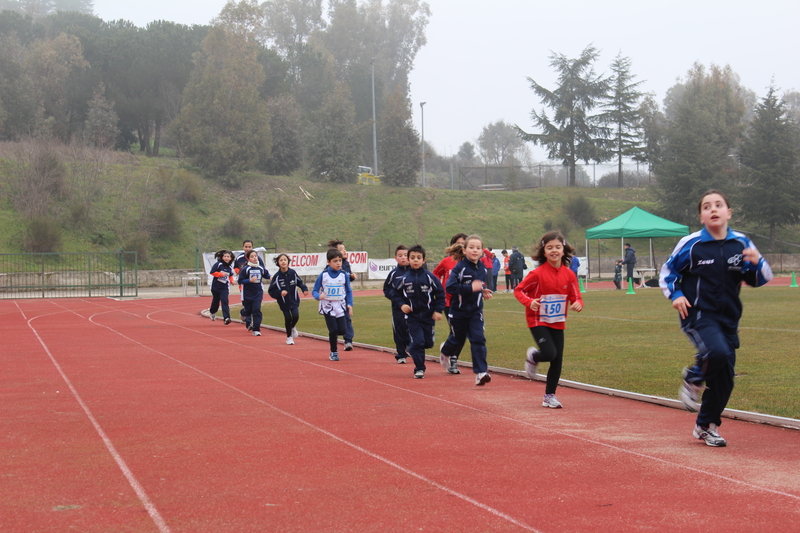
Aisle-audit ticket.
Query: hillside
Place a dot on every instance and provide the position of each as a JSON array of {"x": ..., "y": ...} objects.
[{"x": 165, "y": 212}]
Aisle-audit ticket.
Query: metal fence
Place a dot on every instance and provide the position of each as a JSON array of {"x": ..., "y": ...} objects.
[{"x": 69, "y": 275}]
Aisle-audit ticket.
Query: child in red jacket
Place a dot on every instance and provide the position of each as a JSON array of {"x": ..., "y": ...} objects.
[{"x": 546, "y": 292}]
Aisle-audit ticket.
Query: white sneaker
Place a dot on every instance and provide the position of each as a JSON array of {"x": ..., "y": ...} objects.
[
  {"x": 419, "y": 374},
  {"x": 530, "y": 365},
  {"x": 289, "y": 341},
  {"x": 690, "y": 394},
  {"x": 401, "y": 360},
  {"x": 710, "y": 436},
  {"x": 213, "y": 318},
  {"x": 483, "y": 378},
  {"x": 295, "y": 334},
  {"x": 444, "y": 360},
  {"x": 256, "y": 334},
  {"x": 551, "y": 401}
]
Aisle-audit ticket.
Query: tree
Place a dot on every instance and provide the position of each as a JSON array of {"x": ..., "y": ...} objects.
[
  {"x": 499, "y": 144},
  {"x": 622, "y": 113},
  {"x": 101, "y": 128},
  {"x": 224, "y": 126},
  {"x": 574, "y": 133},
  {"x": 334, "y": 149},
  {"x": 289, "y": 24},
  {"x": 770, "y": 156},
  {"x": 653, "y": 124},
  {"x": 285, "y": 124},
  {"x": 399, "y": 143},
  {"x": 704, "y": 128}
]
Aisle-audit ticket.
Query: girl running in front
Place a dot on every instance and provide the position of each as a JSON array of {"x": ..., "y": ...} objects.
[
  {"x": 332, "y": 289},
  {"x": 283, "y": 287},
  {"x": 222, "y": 272},
  {"x": 546, "y": 292},
  {"x": 250, "y": 276},
  {"x": 467, "y": 289},
  {"x": 703, "y": 277}
]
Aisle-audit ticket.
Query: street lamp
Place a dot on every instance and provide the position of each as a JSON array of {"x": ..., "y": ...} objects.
[
  {"x": 422, "y": 116},
  {"x": 374, "y": 124}
]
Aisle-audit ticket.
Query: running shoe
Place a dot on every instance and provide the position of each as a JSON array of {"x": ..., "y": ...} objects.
[
  {"x": 401, "y": 360},
  {"x": 551, "y": 401},
  {"x": 348, "y": 346},
  {"x": 227, "y": 321},
  {"x": 710, "y": 436},
  {"x": 419, "y": 374},
  {"x": 334, "y": 356},
  {"x": 444, "y": 360},
  {"x": 213, "y": 318},
  {"x": 690, "y": 394},
  {"x": 530, "y": 364},
  {"x": 453, "y": 368},
  {"x": 256, "y": 334},
  {"x": 482, "y": 379},
  {"x": 289, "y": 341},
  {"x": 295, "y": 334}
]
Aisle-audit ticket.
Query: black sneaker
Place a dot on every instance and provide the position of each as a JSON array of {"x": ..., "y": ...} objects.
[
  {"x": 227, "y": 321},
  {"x": 453, "y": 368}
]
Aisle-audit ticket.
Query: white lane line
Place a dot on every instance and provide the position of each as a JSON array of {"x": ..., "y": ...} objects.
[{"x": 137, "y": 487}]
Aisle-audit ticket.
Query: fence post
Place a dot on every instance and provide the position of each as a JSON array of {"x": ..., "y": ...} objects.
[
  {"x": 197, "y": 269},
  {"x": 89, "y": 273},
  {"x": 121, "y": 282}
]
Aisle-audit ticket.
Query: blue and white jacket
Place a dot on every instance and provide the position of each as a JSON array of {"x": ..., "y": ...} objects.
[
  {"x": 224, "y": 277},
  {"x": 288, "y": 281},
  {"x": 709, "y": 273},
  {"x": 338, "y": 294},
  {"x": 420, "y": 290},
  {"x": 389, "y": 282},
  {"x": 250, "y": 290},
  {"x": 464, "y": 302}
]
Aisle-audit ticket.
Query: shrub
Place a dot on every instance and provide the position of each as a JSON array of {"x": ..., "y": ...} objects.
[
  {"x": 189, "y": 187},
  {"x": 139, "y": 243},
  {"x": 234, "y": 227},
  {"x": 42, "y": 235},
  {"x": 580, "y": 211}
]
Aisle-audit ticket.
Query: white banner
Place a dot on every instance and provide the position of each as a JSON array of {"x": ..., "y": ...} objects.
[
  {"x": 380, "y": 268},
  {"x": 304, "y": 264},
  {"x": 209, "y": 260}
]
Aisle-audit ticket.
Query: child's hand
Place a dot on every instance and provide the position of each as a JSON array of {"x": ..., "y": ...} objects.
[
  {"x": 405, "y": 308},
  {"x": 535, "y": 304},
  {"x": 284, "y": 293},
  {"x": 682, "y": 305},
  {"x": 487, "y": 294},
  {"x": 576, "y": 306},
  {"x": 751, "y": 255},
  {"x": 254, "y": 279},
  {"x": 436, "y": 316},
  {"x": 477, "y": 285},
  {"x": 321, "y": 295},
  {"x": 350, "y": 310}
]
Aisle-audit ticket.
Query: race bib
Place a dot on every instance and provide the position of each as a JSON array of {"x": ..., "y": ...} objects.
[
  {"x": 334, "y": 291},
  {"x": 553, "y": 308}
]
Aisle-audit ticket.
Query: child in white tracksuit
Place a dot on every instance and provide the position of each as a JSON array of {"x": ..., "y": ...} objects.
[{"x": 335, "y": 296}]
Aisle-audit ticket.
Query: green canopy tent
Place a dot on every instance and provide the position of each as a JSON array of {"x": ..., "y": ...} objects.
[{"x": 635, "y": 224}]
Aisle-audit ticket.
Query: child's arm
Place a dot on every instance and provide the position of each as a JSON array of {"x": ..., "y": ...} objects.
[
  {"x": 319, "y": 291},
  {"x": 300, "y": 283},
  {"x": 527, "y": 285},
  {"x": 274, "y": 289},
  {"x": 756, "y": 270}
]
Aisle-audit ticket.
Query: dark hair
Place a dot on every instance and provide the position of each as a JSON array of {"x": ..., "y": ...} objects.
[
  {"x": 712, "y": 191},
  {"x": 418, "y": 249},
  {"x": 539, "y": 256},
  {"x": 333, "y": 243},
  {"x": 504, "y": 252},
  {"x": 400, "y": 247},
  {"x": 279, "y": 258},
  {"x": 334, "y": 253},
  {"x": 457, "y": 236},
  {"x": 246, "y": 241},
  {"x": 251, "y": 252},
  {"x": 220, "y": 253}
]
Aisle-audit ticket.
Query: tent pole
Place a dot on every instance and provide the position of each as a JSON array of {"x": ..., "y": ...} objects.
[{"x": 588, "y": 263}]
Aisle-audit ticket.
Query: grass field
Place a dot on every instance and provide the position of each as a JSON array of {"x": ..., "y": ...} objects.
[{"x": 622, "y": 341}]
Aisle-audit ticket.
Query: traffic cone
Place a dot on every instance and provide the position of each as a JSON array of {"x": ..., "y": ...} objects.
[
  {"x": 794, "y": 281},
  {"x": 580, "y": 282},
  {"x": 630, "y": 286}
]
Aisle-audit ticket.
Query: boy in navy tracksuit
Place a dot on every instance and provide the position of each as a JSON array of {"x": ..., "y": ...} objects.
[
  {"x": 283, "y": 287},
  {"x": 467, "y": 288},
  {"x": 399, "y": 326},
  {"x": 222, "y": 272},
  {"x": 238, "y": 264},
  {"x": 703, "y": 277},
  {"x": 250, "y": 277},
  {"x": 332, "y": 289},
  {"x": 420, "y": 296}
]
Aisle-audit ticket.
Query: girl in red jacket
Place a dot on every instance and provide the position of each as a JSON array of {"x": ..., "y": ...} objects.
[{"x": 546, "y": 292}]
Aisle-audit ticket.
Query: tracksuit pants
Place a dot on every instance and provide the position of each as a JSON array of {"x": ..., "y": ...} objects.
[
  {"x": 420, "y": 337},
  {"x": 463, "y": 328},
  {"x": 551, "y": 350},
  {"x": 400, "y": 333}
]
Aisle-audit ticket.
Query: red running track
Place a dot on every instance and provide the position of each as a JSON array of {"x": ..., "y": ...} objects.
[{"x": 139, "y": 416}]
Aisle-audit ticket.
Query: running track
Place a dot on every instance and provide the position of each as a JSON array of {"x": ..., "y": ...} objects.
[{"x": 139, "y": 416}]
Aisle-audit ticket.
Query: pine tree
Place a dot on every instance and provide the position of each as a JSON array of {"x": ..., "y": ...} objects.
[
  {"x": 770, "y": 160},
  {"x": 573, "y": 133},
  {"x": 100, "y": 128},
  {"x": 334, "y": 147},
  {"x": 399, "y": 147},
  {"x": 622, "y": 113}
]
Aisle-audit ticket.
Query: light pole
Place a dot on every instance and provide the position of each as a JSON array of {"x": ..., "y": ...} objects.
[
  {"x": 422, "y": 117},
  {"x": 374, "y": 124}
]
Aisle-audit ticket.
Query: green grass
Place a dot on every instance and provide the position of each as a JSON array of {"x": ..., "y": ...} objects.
[{"x": 627, "y": 342}]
